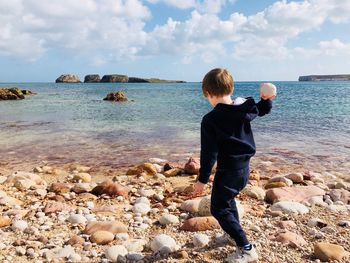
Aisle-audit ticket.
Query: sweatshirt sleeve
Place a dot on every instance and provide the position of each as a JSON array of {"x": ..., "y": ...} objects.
[
  {"x": 208, "y": 152},
  {"x": 264, "y": 107}
]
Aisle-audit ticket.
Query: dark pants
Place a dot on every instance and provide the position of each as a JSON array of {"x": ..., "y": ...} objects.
[{"x": 227, "y": 184}]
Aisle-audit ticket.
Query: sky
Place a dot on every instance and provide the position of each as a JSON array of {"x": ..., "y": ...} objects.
[{"x": 173, "y": 39}]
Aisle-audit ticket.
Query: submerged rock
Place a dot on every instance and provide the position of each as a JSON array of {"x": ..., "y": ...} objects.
[
  {"x": 92, "y": 78},
  {"x": 116, "y": 96},
  {"x": 68, "y": 78}
]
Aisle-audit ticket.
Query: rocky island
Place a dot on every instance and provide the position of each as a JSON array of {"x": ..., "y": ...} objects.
[
  {"x": 111, "y": 78},
  {"x": 324, "y": 77}
]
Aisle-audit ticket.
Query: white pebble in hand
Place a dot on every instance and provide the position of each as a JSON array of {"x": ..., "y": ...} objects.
[{"x": 268, "y": 90}]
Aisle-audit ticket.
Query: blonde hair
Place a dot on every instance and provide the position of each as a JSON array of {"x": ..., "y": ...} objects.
[{"x": 217, "y": 82}]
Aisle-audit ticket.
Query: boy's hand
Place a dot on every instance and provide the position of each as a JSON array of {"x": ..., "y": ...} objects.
[{"x": 198, "y": 189}]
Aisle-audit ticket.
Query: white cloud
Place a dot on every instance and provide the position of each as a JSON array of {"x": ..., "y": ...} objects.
[{"x": 115, "y": 29}]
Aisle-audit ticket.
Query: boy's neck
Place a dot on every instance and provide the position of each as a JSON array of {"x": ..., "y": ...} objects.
[{"x": 224, "y": 100}]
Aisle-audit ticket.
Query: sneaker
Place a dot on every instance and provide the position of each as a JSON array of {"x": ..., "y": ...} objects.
[{"x": 243, "y": 256}]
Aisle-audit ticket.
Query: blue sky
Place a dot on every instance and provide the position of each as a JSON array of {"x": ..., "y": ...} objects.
[{"x": 173, "y": 39}]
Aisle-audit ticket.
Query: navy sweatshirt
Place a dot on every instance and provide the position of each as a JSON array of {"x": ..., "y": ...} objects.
[{"x": 227, "y": 137}]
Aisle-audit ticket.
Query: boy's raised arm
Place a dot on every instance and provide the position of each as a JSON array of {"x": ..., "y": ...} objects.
[
  {"x": 208, "y": 152},
  {"x": 264, "y": 106}
]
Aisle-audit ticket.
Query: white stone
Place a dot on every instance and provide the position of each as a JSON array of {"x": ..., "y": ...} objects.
[
  {"x": 317, "y": 200},
  {"x": 268, "y": 89},
  {"x": 200, "y": 240},
  {"x": 290, "y": 207},
  {"x": 135, "y": 245},
  {"x": 19, "y": 225},
  {"x": 168, "y": 219},
  {"x": 146, "y": 192},
  {"x": 76, "y": 219},
  {"x": 112, "y": 253},
  {"x": 122, "y": 236},
  {"x": 141, "y": 208},
  {"x": 163, "y": 242},
  {"x": 75, "y": 257},
  {"x": 143, "y": 200}
]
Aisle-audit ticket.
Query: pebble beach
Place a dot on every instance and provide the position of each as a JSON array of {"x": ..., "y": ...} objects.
[{"x": 73, "y": 212}]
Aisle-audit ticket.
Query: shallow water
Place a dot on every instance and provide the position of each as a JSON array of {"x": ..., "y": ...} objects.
[{"x": 71, "y": 122}]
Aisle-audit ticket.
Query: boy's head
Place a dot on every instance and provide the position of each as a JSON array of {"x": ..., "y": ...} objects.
[{"x": 217, "y": 83}]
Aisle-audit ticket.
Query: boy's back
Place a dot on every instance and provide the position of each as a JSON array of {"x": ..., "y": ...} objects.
[{"x": 226, "y": 135}]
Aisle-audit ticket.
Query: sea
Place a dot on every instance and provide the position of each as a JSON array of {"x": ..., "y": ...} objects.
[{"x": 72, "y": 123}]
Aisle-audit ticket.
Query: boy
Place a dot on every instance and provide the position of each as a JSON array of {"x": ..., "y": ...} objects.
[{"x": 226, "y": 137}]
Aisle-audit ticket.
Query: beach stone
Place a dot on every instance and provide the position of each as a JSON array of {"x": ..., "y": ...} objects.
[
  {"x": 76, "y": 219},
  {"x": 316, "y": 222},
  {"x": 275, "y": 185},
  {"x": 135, "y": 256},
  {"x": 25, "y": 180},
  {"x": 146, "y": 168},
  {"x": 200, "y": 240},
  {"x": 76, "y": 240},
  {"x": 200, "y": 224},
  {"x": 163, "y": 242},
  {"x": 82, "y": 177},
  {"x": 254, "y": 192},
  {"x": 296, "y": 178},
  {"x": 59, "y": 172},
  {"x": 19, "y": 225},
  {"x": 110, "y": 188},
  {"x": 316, "y": 200},
  {"x": 254, "y": 175},
  {"x": 56, "y": 207},
  {"x": 290, "y": 207},
  {"x": 146, "y": 192},
  {"x": 328, "y": 252},
  {"x": 288, "y": 224},
  {"x": 101, "y": 237},
  {"x": 114, "y": 227},
  {"x": 204, "y": 206},
  {"x": 168, "y": 219},
  {"x": 192, "y": 166},
  {"x": 135, "y": 245},
  {"x": 10, "y": 201},
  {"x": 2, "y": 179},
  {"x": 291, "y": 239},
  {"x": 74, "y": 258},
  {"x": 296, "y": 194},
  {"x": 340, "y": 195},
  {"x": 80, "y": 168},
  {"x": 81, "y": 188},
  {"x": 114, "y": 252},
  {"x": 141, "y": 208},
  {"x": 107, "y": 209},
  {"x": 60, "y": 188},
  {"x": 205, "y": 203},
  {"x": 280, "y": 179},
  {"x": 337, "y": 208},
  {"x": 172, "y": 172},
  {"x": 4, "y": 221},
  {"x": 191, "y": 206}
]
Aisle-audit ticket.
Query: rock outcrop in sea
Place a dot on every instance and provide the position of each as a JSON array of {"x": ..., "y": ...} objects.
[
  {"x": 68, "y": 78},
  {"x": 92, "y": 78},
  {"x": 115, "y": 78},
  {"x": 116, "y": 96},
  {"x": 325, "y": 77},
  {"x": 14, "y": 93}
]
